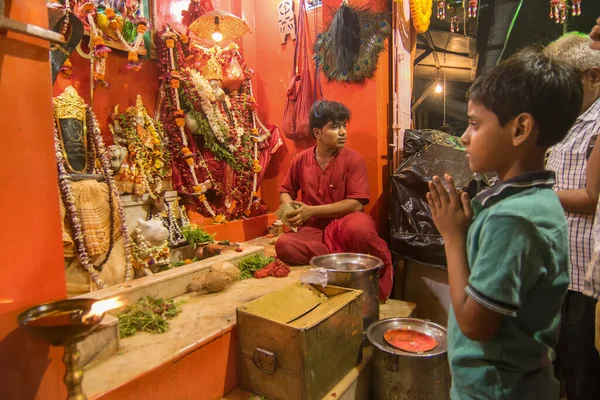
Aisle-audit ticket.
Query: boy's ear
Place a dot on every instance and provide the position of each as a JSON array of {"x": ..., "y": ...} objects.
[
  {"x": 316, "y": 132},
  {"x": 523, "y": 128},
  {"x": 594, "y": 74}
]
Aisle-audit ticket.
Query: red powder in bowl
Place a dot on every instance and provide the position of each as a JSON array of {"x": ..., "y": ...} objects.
[{"x": 409, "y": 340}]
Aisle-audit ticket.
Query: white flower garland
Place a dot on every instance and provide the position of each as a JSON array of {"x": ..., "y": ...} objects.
[
  {"x": 136, "y": 43},
  {"x": 182, "y": 133},
  {"x": 216, "y": 120}
]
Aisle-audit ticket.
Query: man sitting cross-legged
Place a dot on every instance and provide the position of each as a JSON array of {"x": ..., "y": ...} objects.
[{"x": 334, "y": 185}]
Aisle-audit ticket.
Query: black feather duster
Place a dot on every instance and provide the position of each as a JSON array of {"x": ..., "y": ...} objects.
[
  {"x": 374, "y": 29},
  {"x": 345, "y": 36}
]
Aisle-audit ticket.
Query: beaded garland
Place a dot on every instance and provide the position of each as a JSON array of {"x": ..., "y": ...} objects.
[
  {"x": 146, "y": 255},
  {"x": 174, "y": 224},
  {"x": 71, "y": 210}
]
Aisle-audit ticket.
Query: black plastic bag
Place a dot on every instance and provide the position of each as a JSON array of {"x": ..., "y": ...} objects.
[{"x": 426, "y": 153}]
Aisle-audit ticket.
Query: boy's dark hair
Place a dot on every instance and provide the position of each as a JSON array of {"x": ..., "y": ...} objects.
[
  {"x": 324, "y": 111},
  {"x": 530, "y": 82}
]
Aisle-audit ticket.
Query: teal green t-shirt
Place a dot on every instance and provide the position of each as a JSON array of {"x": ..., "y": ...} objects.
[{"x": 518, "y": 252}]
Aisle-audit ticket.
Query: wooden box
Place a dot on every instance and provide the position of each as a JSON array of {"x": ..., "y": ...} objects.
[{"x": 297, "y": 343}]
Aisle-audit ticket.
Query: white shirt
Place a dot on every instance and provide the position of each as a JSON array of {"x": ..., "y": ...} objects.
[{"x": 569, "y": 160}]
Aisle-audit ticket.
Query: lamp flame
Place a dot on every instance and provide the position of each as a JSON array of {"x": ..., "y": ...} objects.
[{"x": 102, "y": 306}]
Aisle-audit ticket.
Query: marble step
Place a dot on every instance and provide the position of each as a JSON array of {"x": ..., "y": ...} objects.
[
  {"x": 101, "y": 344},
  {"x": 104, "y": 341}
]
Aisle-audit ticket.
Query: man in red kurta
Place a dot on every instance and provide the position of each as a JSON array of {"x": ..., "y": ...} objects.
[{"x": 335, "y": 188}]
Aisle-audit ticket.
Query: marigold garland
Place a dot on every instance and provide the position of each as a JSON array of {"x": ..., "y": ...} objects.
[{"x": 420, "y": 12}]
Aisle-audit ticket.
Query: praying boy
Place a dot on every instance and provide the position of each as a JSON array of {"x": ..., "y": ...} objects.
[{"x": 507, "y": 250}]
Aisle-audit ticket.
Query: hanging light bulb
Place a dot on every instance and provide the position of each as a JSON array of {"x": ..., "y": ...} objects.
[
  {"x": 217, "y": 36},
  {"x": 438, "y": 88}
]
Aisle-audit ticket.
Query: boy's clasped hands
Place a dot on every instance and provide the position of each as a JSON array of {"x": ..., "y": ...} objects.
[{"x": 450, "y": 208}]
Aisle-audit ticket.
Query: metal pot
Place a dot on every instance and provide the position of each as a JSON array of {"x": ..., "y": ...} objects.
[
  {"x": 398, "y": 374},
  {"x": 355, "y": 271}
]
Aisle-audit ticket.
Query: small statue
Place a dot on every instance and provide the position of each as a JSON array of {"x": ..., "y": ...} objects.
[
  {"x": 116, "y": 155},
  {"x": 150, "y": 246}
]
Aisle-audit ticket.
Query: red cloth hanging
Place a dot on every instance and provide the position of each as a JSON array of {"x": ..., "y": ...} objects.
[{"x": 300, "y": 95}]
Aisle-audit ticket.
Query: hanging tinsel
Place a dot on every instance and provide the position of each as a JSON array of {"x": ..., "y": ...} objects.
[
  {"x": 454, "y": 25},
  {"x": 576, "y": 8},
  {"x": 441, "y": 9},
  {"x": 560, "y": 8},
  {"x": 473, "y": 4},
  {"x": 374, "y": 28}
]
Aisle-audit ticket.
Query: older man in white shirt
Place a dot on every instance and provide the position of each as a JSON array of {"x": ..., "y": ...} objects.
[{"x": 577, "y": 361}]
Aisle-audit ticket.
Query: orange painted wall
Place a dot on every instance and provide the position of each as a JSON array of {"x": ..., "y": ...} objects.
[{"x": 32, "y": 268}]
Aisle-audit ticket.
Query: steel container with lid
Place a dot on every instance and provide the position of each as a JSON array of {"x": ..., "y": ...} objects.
[
  {"x": 398, "y": 374},
  {"x": 355, "y": 271}
]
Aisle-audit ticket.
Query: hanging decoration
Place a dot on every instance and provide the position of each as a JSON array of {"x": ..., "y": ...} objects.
[
  {"x": 576, "y": 8},
  {"x": 148, "y": 161},
  {"x": 132, "y": 50},
  {"x": 59, "y": 53},
  {"x": 420, "y": 13},
  {"x": 300, "y": 94},
  {"x": 286, "y": 20},
  {"x": 473, "y": 4},
  {"x": 220, "y": 161},
  {"x": 73, "y": 120},
  {"x": 454, "y": 25},
  {"x": 121, "y": 24},
  {"x": 101, "y": 51},
  {"x": 374, "y": 28},
  {"x": 441, "y": 9},
  {"x": 231, "y": 26},
  {"x": 344, "y": 36},
  {"x": 558, "y": 10}
]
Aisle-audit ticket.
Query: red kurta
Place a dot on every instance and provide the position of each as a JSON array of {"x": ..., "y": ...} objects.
[{"x": 345, "y": 177}]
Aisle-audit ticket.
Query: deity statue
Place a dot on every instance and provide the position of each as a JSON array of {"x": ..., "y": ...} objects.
[
  {"x": 147, "y": 162},
  {"x": 223, "y": 166},
  {"x": 95, "y": 240}
]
